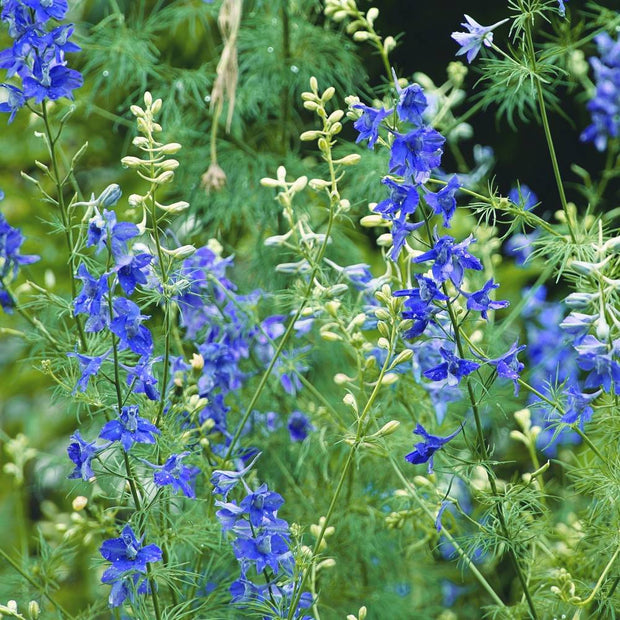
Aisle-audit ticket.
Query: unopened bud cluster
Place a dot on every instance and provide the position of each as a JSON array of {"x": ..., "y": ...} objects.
[{"x": 155, "y": 166}]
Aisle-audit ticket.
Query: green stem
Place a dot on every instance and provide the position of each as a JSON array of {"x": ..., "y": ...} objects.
[
  {"x": 66, "y": 219},
  {"x": 545, "y": 121}
]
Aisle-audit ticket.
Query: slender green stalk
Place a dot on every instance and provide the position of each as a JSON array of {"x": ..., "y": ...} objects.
[
  {"x": 345, "y": 470},
  {"x": 64, "y": 214},
  {"x": 531, "y": 51}
]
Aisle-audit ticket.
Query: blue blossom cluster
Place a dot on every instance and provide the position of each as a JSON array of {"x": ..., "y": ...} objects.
[
  {"x": 36, "y": 60},
  {"x": 605, "y": 105},
  {"x": 261, "y": 543},
  {"x": 105, "y": 302},
  {"x": 11, "y": 259},
  {"x": 413, "y": 156},
  {"x": 554, "y": 371},
  {"x": 129, "y": 559},
  {"x": 222, "y": 325}
]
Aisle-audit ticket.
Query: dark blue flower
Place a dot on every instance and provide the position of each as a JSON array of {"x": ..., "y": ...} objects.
[
  {"x": 369, "y": 122},
  {"x": 82, "y": 453},
  {"x": 481, "y": 302},
  {"x": 508, "y": 366},
  {"x": 141, "y": 379},
  {"x": 51, "y": 82},
  {"x": 452, "y": 369},
  {"x": 450, "y": 259},
  {"x": 411, "y": 104},
  {"x": 174, "y": 472},
  {"x": 403, "y": 200},
  {"x": 131, "y": 271},
  {"x": 424, "y": 450},
  {"x": 562, "y": 8},
  {"x": 415, "y": 154},
  {"x": 45, "y": 10},
  {"x": 129, "y": 562},
  {"x": 578, "y": 405},
  {"x": 401, "y": 229},
  {"x": 129, "y": 428},
  {"x": 103, "y": 226},
  {"x": 299, "y": 426},
  {"x": 11, "y": 240},
  {"x": 600, "y": 361},
  {"x": 262, "y": 505},
  {"x": 89, "y": 365},
  {"x": 223, "y": 481},
  {"x": 91, "y": 300},
  {"x": 444, "y": 202},
  {"x": 127, "y": 325}
]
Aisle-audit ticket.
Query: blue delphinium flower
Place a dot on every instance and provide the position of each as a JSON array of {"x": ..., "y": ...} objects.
[
  {"x": 452, "y": 369},
  {"x": 402, "y": 201},
  {"x": 141, "y": 379},
  {"x": 127, "y": 325},
  {"x": 129, "y": 428},
  {"x": 424, "y": 451},
  {"x": 224, "y": 481},
  {"x": 37, "y": 56},
  {"x": 369, "y": 122},
  {"x": 411, "y": 104},
  {"x": 102, "y": 226},
  {"x": 173, "y": 472},
  {"x": 601, "y": 361},
  {"x": 419, "y": 306},
  {"x": 508, "y": 366},
  {"x": 578, "y": 405},
  {"x": 416, "y": 153},
  {"x": 11, "y": 240},
  {"x": 450, "y": 259},
  {"x": 91, "y": 300},
  {"x": 444, "y": 202},
  {"x": 82, "y": 453},
  {"x": 605, "y": 105},
  {"x": 476, "y": 36},
  {"x": 299, "y": 426},
  {"x": 523, "y": 196},
  {"x": 562, "y": 8},
  {"x": 90, "y": 365},
  {"x": 481, "y": 302},
  {"x": 129, "y": 563},
  {"x": 132, "y": 270}
]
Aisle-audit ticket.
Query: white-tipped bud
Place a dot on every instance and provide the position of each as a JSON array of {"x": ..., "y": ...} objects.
[
  {"x": 156, "y": 107},
  {"x": 281, "y": 174},
  {"x": 335, "y": 116},
  {"x": 267, "y": 182},
  {"x": 349, "y": 160},
  {"x": 389, "y": 44},
  {"x": 148, "y": 99},
  {"x": 332, "y": 307},
  {"x": 314, "y": 85},
  {"x": 350, "y": 401},
  {"x": 137, "y": 111},
  {"x": 140, "y": 141},
  {"x": 383, "y": 343},
  {"x": 384, "y": 240},
  {"x": 175, "y": 207},
  {"x": 135, "y": 200},
  {"x": 168, "y": 164},
  {"x": 361, "y": 35},
  {"x": 328, "y": 94},
  {"x": 299, "y": 184},
  {"x": 389, "y": 378},
  {"x": 132, "y": 162},
  {"x": 372, "y": 14},
  {"x": 164, "y": 177},
  {"x": 319, "y": 184},
  {"x": 34, "y": 611},
  {"x": 341, "y": 379},
  {"x": 330, "y": 336},
  {"x": 404, "y": 356},
  {"x": 197, "y": 362},
  {"x": 523, "y": 418},
  {"x": 181, "y": 253},
  {"x": 387, "y": 429},
  {"x": 170, "y": 149},
  {"x": 79, "y": 503},
  {"x": 308, "y": 136},
  {"x": 370, "y": 221}
]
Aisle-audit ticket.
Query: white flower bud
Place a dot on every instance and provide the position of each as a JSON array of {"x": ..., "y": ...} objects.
[
  {"x": 132, "y": 162},
  {"x": 170, "y": 149}
]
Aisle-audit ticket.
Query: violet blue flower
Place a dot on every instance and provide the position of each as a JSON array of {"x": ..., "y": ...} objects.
[
  {"x": 475, "y": 37},
  {"x": 129, "y": 428},
  {"x": 444, "y": 202},
  {"x": 481, "y": 302},
  {"x": 424, "y": 450},
  {"x": 452, "y": 369},
  {"x": 369, "y": 122},
  {"x": 415, "y": 154}
]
